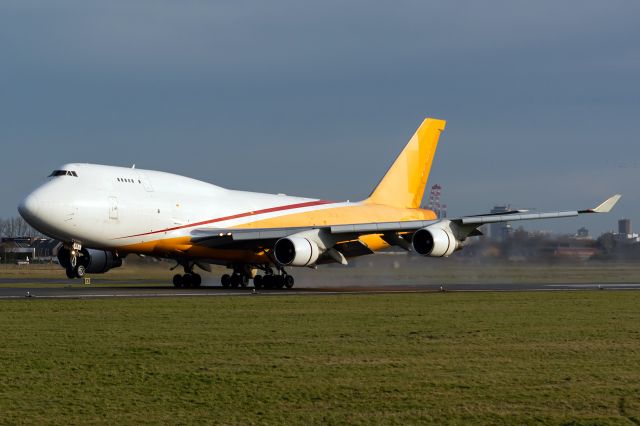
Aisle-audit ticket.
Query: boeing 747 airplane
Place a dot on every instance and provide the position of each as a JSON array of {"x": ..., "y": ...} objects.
[{"x": 102, "y": 214}]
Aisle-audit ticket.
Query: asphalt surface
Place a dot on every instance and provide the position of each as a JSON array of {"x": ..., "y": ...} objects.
[{"x": 61, "y": 289}]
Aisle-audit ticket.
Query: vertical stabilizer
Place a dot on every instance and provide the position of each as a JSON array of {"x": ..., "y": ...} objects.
[{"x": 403, "y": 185}]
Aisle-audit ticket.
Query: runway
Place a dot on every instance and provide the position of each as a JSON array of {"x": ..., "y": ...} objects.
[{"x": 60, "y": 289}]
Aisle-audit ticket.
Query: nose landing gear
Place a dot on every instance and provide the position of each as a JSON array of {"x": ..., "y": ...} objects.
[{"x": 74, "y": 263}]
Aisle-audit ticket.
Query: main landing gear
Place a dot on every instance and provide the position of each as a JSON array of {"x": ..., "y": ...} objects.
[
  {"x": 189, "y": 279},
  {"x": 242, "y": 274},
  {"x": 240, "y": 277}
]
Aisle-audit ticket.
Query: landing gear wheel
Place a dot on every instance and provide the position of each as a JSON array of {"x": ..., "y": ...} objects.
[
  {"x": 71, "y": 273},
  {"x": 177, "y": 281},
  {"x": 279, "y": 281},
  {"x": 80, "y": 271},
  {"x": 267, "y": 281},
  {"x": 196, "y": 280},
  {"x": 63, "y": 257},
  {"x": 257, "y": 281},
  {"x": 187, "y": 281},
  {"x": 235, "y": 280},
  {"x": 288, "y": 281},
  {"x": 225, "y": 280}
]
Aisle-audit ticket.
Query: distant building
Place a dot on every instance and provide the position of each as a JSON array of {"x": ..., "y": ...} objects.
[
  {"x": 627, "y": 238},
  {"x": 500, "y": 231},
  {"x": 20, "y": 249},
  {"x": 624, "y": 226},
  {"x": 582, "y": 233},
  {"x": 625, "y": 235},
  {"x": 16, "y": 250},
  {"x": 45, "y": 249}
]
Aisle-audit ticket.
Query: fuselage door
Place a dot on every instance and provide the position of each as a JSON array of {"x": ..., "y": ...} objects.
[
  {"x": 145, "y": 182},
  {"x": 113, "y": 208}
]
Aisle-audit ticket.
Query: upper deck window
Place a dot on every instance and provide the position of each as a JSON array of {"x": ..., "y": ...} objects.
[
  {"x": 63, "y": 173},
  {"x": 127, "y": 180}
]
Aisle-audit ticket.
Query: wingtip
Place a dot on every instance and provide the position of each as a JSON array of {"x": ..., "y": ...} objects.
[{"x": 608, "y": 204}]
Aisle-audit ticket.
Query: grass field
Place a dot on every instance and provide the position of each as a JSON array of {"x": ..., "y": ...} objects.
[{"x": 457, "y": 358}]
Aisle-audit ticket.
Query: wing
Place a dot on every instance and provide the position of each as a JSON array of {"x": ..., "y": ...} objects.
[
  {"x": 514, "y": 215},
  {"x": 346, "y": 236}
]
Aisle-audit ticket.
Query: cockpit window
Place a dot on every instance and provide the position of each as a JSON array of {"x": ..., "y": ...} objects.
[{"x": 63, "y": 173}]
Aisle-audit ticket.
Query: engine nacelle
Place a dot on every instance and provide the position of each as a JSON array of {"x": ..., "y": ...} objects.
[
  {"x": 95, "y": 261},
  {"x": 434, "y": 241},
  {"x": 296, "y": 251},
  {"x": 99, "y": 261}
]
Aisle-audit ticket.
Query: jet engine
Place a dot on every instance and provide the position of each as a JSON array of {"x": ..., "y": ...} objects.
[
  {"x": 94, "y": 261},
  {"x": 435, "y": 241},
  {"x": 100, "y": 261},
  {"x": 296, "y": 251}
]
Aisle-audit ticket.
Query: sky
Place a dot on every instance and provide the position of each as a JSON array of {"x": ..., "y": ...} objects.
[{"x": 542, "y": 99}]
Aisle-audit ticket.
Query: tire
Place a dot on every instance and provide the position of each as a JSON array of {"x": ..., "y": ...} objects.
[
  {"x": 288, "y": 281},
  {"x": 187, "y": 281},
  {"x": 177, "y": 281},
  {"x": 80, "y": 271},
  {"x": 235, "y": 280},
  {"x": 197, "y": 280},
  {"x": 279, "y": 281},
  {"x": 267, "y": 281},
  {"x": 71, "y": 274},
  {"x": 257, "y": 281},
  {"x": 225, "y": 280},
  {"x": 63, "y": 258}
]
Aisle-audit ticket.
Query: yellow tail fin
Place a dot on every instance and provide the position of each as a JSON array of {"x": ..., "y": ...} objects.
[{"x": 403, "y": 185}]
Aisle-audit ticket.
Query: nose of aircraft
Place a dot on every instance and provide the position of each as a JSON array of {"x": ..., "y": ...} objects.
[{"x": 29, "y": 208}]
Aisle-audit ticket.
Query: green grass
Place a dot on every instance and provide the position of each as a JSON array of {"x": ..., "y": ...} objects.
[{"x": 458, "y": 358}]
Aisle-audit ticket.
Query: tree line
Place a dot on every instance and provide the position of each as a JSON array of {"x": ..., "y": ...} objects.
[{"x": 17, "y": 227}]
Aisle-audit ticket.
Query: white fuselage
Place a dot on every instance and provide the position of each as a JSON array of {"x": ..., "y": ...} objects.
[{"x": 107, "y": 207}]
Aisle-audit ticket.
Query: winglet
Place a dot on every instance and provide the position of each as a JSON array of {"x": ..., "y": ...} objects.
[{"x": 606, "y": 206}]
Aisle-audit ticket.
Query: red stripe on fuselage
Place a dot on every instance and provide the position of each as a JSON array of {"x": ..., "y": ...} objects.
[{"x": 236, "y": 216}]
